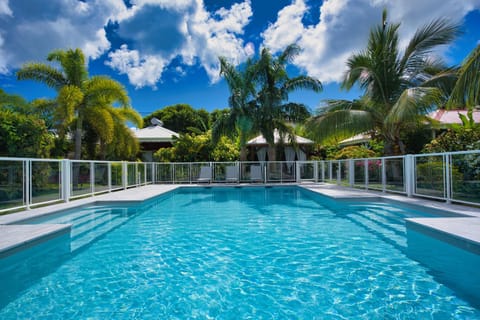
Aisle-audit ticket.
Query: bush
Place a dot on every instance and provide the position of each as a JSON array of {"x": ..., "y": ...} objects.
[
  {"x": 191, "y": 147},
  {"x": 458, "y": 139},
  {"x": 354, "y": 152}
]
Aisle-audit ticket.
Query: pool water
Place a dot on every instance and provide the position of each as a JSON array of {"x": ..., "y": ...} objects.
[{"x": 230, "y": 253}]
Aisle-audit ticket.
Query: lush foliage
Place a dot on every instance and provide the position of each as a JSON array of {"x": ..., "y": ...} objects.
[
  {"x": 85, "y": 106},
  {"x": 400, "y": 86},
  {"x": 259, "y": 98},
  {"x": 354, "y": 152},
  {"x": 454, "y": 140},
  {"x": 466, "y": 92},
  {"x": 23, "y": 135},
  {"x": 181, "y": 118},
  {"x": 191, "y": 147}
]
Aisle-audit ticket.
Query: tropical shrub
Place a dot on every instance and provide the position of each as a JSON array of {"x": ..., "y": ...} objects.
[
  {"x": 23, "y": 136},
  {"x": 191, "y": 147},
  {"x": 458, "y": 139},
  {"x": 354, "y": 152}
]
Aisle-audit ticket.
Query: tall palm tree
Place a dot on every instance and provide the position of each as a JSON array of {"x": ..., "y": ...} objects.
[
  {"x": 466, "y": 92},
  {"x": 274, "y": 110},
  {"x": 79, "y": 97},
  {"x": 240, "y": 117},
  {"x": 400, "y": 87}
]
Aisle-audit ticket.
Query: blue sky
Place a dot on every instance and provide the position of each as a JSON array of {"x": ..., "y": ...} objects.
[{"x": 166, "y": 52}]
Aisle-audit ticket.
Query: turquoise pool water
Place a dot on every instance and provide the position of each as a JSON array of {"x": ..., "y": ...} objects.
[{"x": 229, "y": 253}]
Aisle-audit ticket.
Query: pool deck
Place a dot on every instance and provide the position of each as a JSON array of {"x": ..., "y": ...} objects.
[{"x": 463, "y": 227}]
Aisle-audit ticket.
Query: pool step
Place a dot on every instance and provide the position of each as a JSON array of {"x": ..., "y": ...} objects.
[
  {"x": 386, "y": 232},
  {"x": 84, "y": 235}
]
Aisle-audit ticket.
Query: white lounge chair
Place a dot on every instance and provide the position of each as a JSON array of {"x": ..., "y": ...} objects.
[
  {"x": 205, "y": 174},
  {"x": 256, "y": 173},
  {"x": 231, "y": 174}
]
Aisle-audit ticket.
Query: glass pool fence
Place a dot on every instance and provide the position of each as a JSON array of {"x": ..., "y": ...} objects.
[{"x": 451, "y": 177}]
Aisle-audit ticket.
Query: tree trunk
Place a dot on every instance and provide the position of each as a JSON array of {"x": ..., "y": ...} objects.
[
  {"x": 243, "y": 153},
  {"x": 272, "y": 153},
  {"x": 78, "y": 139}
]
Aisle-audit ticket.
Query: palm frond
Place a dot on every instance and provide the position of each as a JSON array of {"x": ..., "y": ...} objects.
[
  {"x": 412, "y": 102},
  {"x": 466, "y": 92},
  {"x": 339, "y": 125},
  {"x": 438, "y": 32},
  {"x": 303, "y": 82},
  {"x": 42, "y": 73}
]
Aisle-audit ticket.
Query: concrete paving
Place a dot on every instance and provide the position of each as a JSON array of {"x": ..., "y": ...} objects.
[{"x": 16, "y": 237}]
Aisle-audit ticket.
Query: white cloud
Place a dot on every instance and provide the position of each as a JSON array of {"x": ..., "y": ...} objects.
[
  {"x": 344, "y": 27},
  {"x": 156, "y": 31},
  {"x": 287, "y": 29},
  {"x": 32, "y": 29},
  {"x": 185, "y": 30},
  {"x": 4, "y": 8},
  {"x": 145, "y": 71}
]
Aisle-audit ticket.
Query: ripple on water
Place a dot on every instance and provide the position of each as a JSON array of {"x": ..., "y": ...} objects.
[{"x": 236, "y": 256}]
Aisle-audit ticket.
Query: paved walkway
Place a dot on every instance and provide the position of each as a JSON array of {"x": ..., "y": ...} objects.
[{"x": 463, "y": 225}]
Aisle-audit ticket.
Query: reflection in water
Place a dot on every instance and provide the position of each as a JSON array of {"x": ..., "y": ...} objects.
[
  {"x": 21, "y": 270},
  {"x": 455, "y": 267}
]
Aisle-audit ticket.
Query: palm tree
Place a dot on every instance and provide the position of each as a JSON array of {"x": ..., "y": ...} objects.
[
  {"x": 466, "y": 92},
  {"x": 273, "y": 111},
  {"x": 400, "y": 87},
  {"x": 80, "y": 98},
  {"x": 240, "y": 117}
]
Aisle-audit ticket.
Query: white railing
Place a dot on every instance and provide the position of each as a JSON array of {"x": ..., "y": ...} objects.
[{"x": 451, "y": 177}]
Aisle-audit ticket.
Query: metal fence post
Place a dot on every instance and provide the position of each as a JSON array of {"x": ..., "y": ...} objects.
[
  {"x": 351, "y": 172},
  {"x": 365, "y": 162},
  {"x": 92, "y": 177},
  {"x": 409, "y": 174},
  {"x": 447, "y": 173},
  {"x": 297, "y": 172},
  {"x": 384, "y": 176},
  {"x": 124, "y": 174},
  {"x": 65, "y": 176},
  {"x": 109, "y": 173},
  {"x": 28, "y": 182},
  {"x": 339, "y": 172}
]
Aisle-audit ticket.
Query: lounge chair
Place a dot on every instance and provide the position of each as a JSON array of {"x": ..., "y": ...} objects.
[
  {"x": 256, "y": 173},
  {"x": 205, "y": 174},
  {"x": 231, "y": 174}
]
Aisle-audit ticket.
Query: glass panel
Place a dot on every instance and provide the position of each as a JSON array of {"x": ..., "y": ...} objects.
[
  {"x": 141, "y": 173},
  {"x": 131, "y": 174},
  {"x": 11, "y": 184},
  {"x": 394, "y": 174},
  {"x": 375, "y": 174},
  {"x": 117, "y": 175},
  {"x": 80, "y": 178},
  {"x": 359, "y": 174},
  {"x": 164, "y": 172},
  {"x": 101, "y": 177},
  {"x": 45, "y": 181},
  {"x": 182, "y": 173},
  {"x": 429, "y": 174},
  {"x": 149, "y": 177},
  {"x": 344, "y": 173},
  {"x": 465, "y": 177},
  {"x": 307, "y": 171},
  {"x": 219, "y": 171},
  {"x": 274, "y": 171}
]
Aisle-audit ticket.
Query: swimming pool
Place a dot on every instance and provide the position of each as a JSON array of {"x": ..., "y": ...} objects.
[{"x": 229, "y": 253}]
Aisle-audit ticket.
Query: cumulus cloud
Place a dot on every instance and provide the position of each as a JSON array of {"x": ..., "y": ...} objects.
[
  {"x": 344, "y": 26},
  {"x": 160, "y": 31},
  {"x": 32, "y": 29},
  {"x": 148, "y": 35}
]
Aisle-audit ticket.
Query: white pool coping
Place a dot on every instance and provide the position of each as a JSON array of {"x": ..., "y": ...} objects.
[{"x": 464, "y": 225}]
